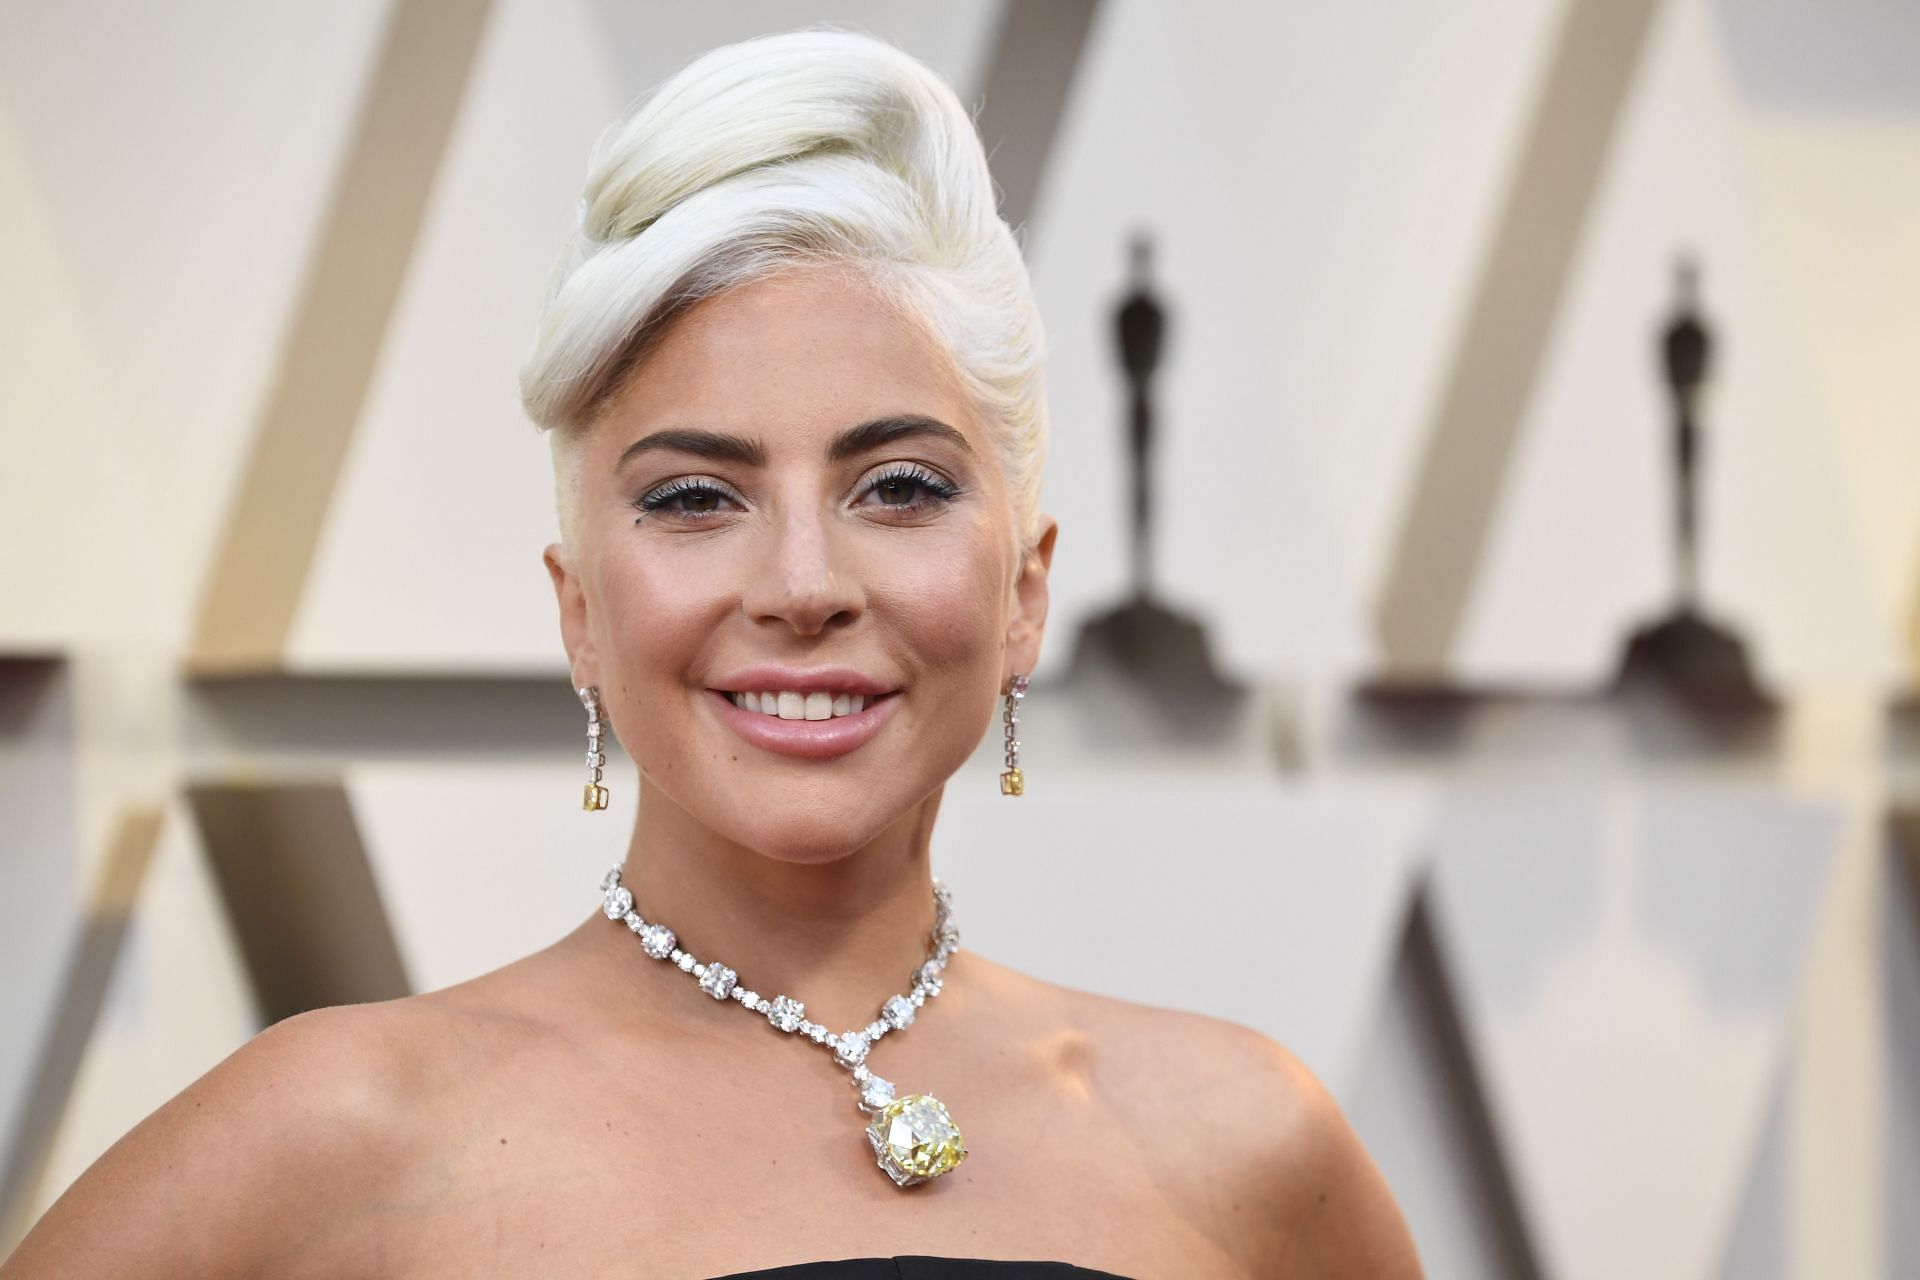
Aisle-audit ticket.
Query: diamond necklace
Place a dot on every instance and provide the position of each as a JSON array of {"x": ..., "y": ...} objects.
[{"x": 913, "y": 1137}]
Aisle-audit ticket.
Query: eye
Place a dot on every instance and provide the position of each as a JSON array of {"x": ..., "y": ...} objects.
[
  {"x": 689, "y": 497},
  {"x": 909, "y": 487}
]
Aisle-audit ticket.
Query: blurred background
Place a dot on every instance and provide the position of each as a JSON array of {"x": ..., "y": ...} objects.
[{"x": 1484, "y": 439}]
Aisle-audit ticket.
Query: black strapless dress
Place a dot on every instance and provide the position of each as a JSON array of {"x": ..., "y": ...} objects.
[{"x": 924, "y": 1267}]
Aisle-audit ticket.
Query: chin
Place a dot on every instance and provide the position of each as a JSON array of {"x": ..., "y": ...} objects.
[
  {"x": 809, "y": 823},
  {"x": 808, "y": 845}
]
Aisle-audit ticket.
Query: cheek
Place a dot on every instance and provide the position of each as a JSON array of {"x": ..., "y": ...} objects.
[
  {"x": 948, "y": 609},
  {"x": 942, "y": 601},
  {"x": 657, "y": 610}
]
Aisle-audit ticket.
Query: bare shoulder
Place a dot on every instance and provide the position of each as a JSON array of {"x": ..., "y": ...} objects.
[
  {"x": 1249, "y": 1137},
  {"x": 268, "y": 1155}
]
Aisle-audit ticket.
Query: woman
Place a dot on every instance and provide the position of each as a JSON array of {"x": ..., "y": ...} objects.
[{"x": 791, "y": 366}]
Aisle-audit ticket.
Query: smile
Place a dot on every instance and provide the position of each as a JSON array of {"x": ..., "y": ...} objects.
[
  {"x": 789, "y": 705},
  {"x": 814, "y": 725}
]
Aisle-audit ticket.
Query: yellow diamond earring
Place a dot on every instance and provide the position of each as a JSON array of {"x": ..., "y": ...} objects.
[
  {"x": 1013, "y": 782},
  {"x": 595, "y": 796}
]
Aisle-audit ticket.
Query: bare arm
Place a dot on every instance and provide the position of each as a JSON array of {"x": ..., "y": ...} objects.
[
  {"x": 1257, "y": 1152},
  {"x": 236, "y": 1172},
  {"x": 1332, "y": 1211},
  {"x": 1270, "y": 1163}
]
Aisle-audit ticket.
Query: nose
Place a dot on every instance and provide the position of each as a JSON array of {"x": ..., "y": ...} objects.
[{"x": 802, "y": 578}]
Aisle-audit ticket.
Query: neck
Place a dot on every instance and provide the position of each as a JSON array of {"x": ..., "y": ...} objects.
[{"x": 840, "y": 934}]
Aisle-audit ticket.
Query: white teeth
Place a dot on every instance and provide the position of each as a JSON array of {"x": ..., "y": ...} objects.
[{"x": 791, "y": 705}]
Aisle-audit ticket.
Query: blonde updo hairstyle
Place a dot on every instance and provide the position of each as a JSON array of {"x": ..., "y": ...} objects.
[{"x": 818, "y": 146}]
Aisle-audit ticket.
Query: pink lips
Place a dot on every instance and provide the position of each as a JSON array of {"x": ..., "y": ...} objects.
[{"x": 809, "y": 739}]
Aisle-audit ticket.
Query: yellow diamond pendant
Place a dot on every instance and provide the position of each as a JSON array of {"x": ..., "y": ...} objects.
[
  {"x": 1013, "y": 783},
  {"x": 915, "y": 1139}
]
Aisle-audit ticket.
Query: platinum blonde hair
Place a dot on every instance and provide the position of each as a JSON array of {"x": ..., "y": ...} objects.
[{"x": 818, "y": 146}]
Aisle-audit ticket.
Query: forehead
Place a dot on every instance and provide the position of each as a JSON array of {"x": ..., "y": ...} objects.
[{"x": 790, "y": 357}]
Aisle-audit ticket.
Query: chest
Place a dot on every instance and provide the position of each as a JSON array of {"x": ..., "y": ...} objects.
[{"x": 731, "y": 1171}]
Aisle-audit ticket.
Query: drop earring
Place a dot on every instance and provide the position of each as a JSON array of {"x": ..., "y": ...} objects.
[
  {"x": 1013, "y": 782},
  {"x": 595, "y": 796}
]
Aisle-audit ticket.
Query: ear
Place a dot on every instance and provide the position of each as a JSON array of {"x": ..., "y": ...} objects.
[
  {"x": 574, "y": 631},
  {"x": 1029, "y": 620}
]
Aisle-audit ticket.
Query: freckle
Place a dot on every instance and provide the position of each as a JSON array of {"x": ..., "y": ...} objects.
[{"x": 503, "y": 1142}]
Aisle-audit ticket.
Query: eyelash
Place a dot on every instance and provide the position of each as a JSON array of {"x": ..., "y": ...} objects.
[
  {"x": 942, "y": 490},
  {"x": 657, "y": 499}
]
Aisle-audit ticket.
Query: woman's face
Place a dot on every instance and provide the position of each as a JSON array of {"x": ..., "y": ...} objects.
[{"x": 789, "y": 504}]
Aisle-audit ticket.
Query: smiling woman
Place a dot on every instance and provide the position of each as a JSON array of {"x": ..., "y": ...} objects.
[
  {"x": 791, "y": 366},
  {"x": 838, "y": 523}
]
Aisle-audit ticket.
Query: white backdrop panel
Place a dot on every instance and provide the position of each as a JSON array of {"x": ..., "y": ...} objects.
[{"x": 1627, "y": 959}]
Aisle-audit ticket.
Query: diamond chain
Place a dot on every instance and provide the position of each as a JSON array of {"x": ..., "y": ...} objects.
[
  {"x": 786, "y": 1014},
  {"x": 1010, "y": 720}
]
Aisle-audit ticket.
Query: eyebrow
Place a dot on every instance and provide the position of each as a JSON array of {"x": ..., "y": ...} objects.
[
  {"x": 884, "y": 431},
  {"x": 719, "y": 445},
  {"x": 724, "y": 446}
]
